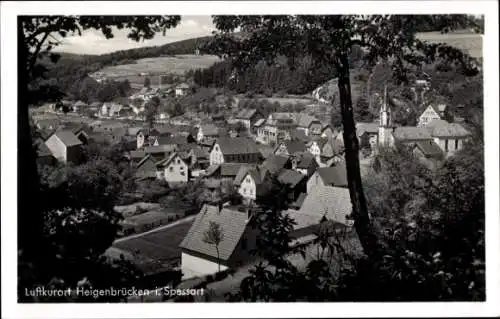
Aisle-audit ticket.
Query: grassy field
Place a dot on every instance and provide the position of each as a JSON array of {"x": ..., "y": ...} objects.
[
  {"x": 162, "y": 246},
  {"x": 469, "y": 42},
  {"x": 161, "y": 65}
]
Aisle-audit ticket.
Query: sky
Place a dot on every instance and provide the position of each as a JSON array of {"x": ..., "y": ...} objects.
[{"x": 93, "y": 42}]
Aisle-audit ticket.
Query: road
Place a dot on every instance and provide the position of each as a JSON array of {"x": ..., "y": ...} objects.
[{"x": 180, "y": 221}]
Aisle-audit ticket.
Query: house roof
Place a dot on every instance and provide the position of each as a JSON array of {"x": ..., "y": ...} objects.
[
  {"x": 258, "y": 174},
  {"x": 160, "y": 149},
  {"x": 441, "y": 128},
  {"x": 259, "y": 122},
  {"x": 164, "y": 162},
  {"x": 370, "y": 128},
  {"x": 305, "y": 160},
  {"x": 68, "y": 138},
  {"x": 429, "y": 148},
  {"x": 305, "y": 120},
  {"x": 299, "y": 135},
  {"x": 290, "y": 177},
  {"x": 332, "y": 202},
  {"x": 209, "y": 130},
  {"x": 237, "y": 145},
  {"x": 246, "y": 114},
  {"x": 265, "y": 150},
  {"x": 439, "y": 108},
  {"x": 182, "y": 86},
  {"x": 232, "y": 222},
  {"x": 411, "y": 133},
  {"x": 292, "y": 146},
  {"x": 225, "y": 169},
  {"x": 80, "y": 104},
  {"x": 144, "y": 160},
  {"x": 275, "y": 163},
  {"x": 336, "y": 148},
  {"x": 333, "y": 175}
]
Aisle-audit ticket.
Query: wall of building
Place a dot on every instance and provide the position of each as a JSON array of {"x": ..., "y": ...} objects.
[
  {"x": 57, "y": 147},
  {"x": 176, "y": 171},
  {"x": 192, "y": 266},
  {"x": 314, "y": 180},
  {"x": 216, "y": 156},
  {"x": 248, "y": 188}
]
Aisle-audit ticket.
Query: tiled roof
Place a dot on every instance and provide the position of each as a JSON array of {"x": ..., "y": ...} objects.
[
  {"x": 429, "y": 148},
  {"x": 231, "y": 169},
  {"x": 137, "y": 154},
  {"x": 259, "y": 122},
  {"x": 336, "y": 148},
  {"x": 441, "y": 128},
  {"x": 265, "y": 150},
  {"x": 209, "y": 130},
  {"x": 334, "y": 175},
  {"x": 246, "y": 114},
  {"x": 290, "y": 177},
  {"x": 305, "y": 160},
  {"x": 411, "y": 133},
  {"x": 370, "y": 128},
  {"x": 164, "y": 162},
  {"x": 332, "y": 202},
  {"x": 68, "y": 138},
  {"x": 292, "y": 146},
  {"x": 237, "y": 145},
  {"x": 305, "y": 120},
  {"x": 182, "y": 86},
  {"x": 299, "y": 135},
  {"x": 232, "y": 222},
  {"x": 275, "y": 163},
  {"x": 258, "y": 174},
  {"x": 160, "y": 149}
]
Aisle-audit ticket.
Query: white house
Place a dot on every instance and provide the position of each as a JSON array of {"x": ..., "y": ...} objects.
[
  {"x": 234, "y": 150},
  {"x": 173, "y": 169},
  {"x": 64, "y": 146},
  {"x": 199, "y": 258},
  {"x": 182, "y": 89},
  {"x": 249, "y": 180},
  {"x": 431, "y": 113}
]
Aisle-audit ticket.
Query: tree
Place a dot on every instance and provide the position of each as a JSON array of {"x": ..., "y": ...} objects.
[
  {"x": 147, "y": 82},
  {"x": 37, "y": 36},
  {"x": 330, "y": 39},
  {"x": 151, "y": 110},
  {"x": 214, "y": 235}
]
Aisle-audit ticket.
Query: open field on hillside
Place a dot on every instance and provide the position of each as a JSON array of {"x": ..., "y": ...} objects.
[
  {"x": 469, "y": 42},
  {"x": 160, "y": 65}
]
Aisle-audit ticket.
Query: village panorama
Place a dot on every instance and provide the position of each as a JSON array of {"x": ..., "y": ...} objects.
[{"x": 279, "y": 158}]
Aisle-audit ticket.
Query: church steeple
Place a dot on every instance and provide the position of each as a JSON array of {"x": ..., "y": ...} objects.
[{"x": 385, "y": 112}]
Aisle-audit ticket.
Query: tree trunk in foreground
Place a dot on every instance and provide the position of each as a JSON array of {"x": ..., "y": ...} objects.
[
  {"x": 361, "y": 217},
  {"x": 218, "y": 258}
]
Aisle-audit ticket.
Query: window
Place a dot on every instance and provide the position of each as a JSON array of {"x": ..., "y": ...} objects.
[
  {"x": 178, "y": 161},
  {"x": 170, "y": 169},
  {"x": 183, "y": 174},
  {"x": 446, "y": 145},
  {"x": 244, "y": 190},
  {"x": 456, "y": 144}
]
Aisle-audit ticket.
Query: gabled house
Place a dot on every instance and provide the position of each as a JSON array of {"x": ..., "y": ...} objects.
[
  {"x": 335, "y": 176},
  {"x": 249, "y": 181},
  {"x": 277, "y": 128},
  {"x": 304, "y": 163},
  {"x": 65, "y": 146},
  {"x": 367, "y": 134},
  {"x": 296, "y": 182},
  {"x": 177, "y": 139},
  {"x": 327, "y": 131},
  {"x": 309, "y": 124},
  {"x": 433, "y": 112},
  {"x": 173, "y": 169},
  {"x": 206, "y": 131},
  {"x": 234, "y": 150},
  {"x": 161, "y": 151},
  {"x": 275, "y": 163},
  {"x": 287, "y": 148},
  {"x": 300, "y": 135},
  {"x": 182, "y": 89},
  {"x": 248, "y": 117},
  {"x": 325, "y": 149},
  {"x": 450, "y": 137},
  {"x": 224, "y": 171},
  {"x": 199, "y": 258}
]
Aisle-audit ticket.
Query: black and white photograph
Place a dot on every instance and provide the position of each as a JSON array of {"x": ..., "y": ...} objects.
[{"x": 303, "y": 156}]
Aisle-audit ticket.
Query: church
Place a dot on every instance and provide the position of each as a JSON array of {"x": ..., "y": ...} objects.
[{"x": 434, "y": 138}]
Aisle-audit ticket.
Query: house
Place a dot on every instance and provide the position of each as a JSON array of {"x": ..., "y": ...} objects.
[
  {"x": 258, "y": 128},
  {"x": 304, "y": 163},
  {"x": 287, "y": 148},
  {"x": 327, "y": 131},
  {"x": 146, "y": 168},
  {"x": 248, "y": 117},
  {"x": 161, "y": 151},
  {"x": 325, "y": 149},
  {"x": 65, "y": 146},
  {"x": 81, "y": 135},
  {"x": 234, "y": 150},
  {"x": 323, "y": 203},
  {"x": 309, "y": 124},
  {"x": 249, "y": 181},
  {"x": 275, "y": 163},
  {"x": 149, "y": 136},
  {"x": 224, "y": 171},
  {"x": 277, "y": 128},
  {"x": 182, "y": 89},
  {"x": 300, "y": 135},
  {"x": 199, "y": 258},
  {"x": 296, "y": 182},
  {"x": 207, "y": 131},
  {"x": 199, "y": 157},
  {"x": 335, "y": 176},
  {"x": 177, "y": 139},
  {"x": 450, "y": 137},
  {"x": 433, "y": 112},
  {"x": 173, "y": 169},
  {"x": 79, "y": 106},
  {"x": 367, "y": 134}
]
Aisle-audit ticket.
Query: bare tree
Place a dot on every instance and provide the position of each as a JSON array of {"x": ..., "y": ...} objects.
[{"x": 214, "y": 235}]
